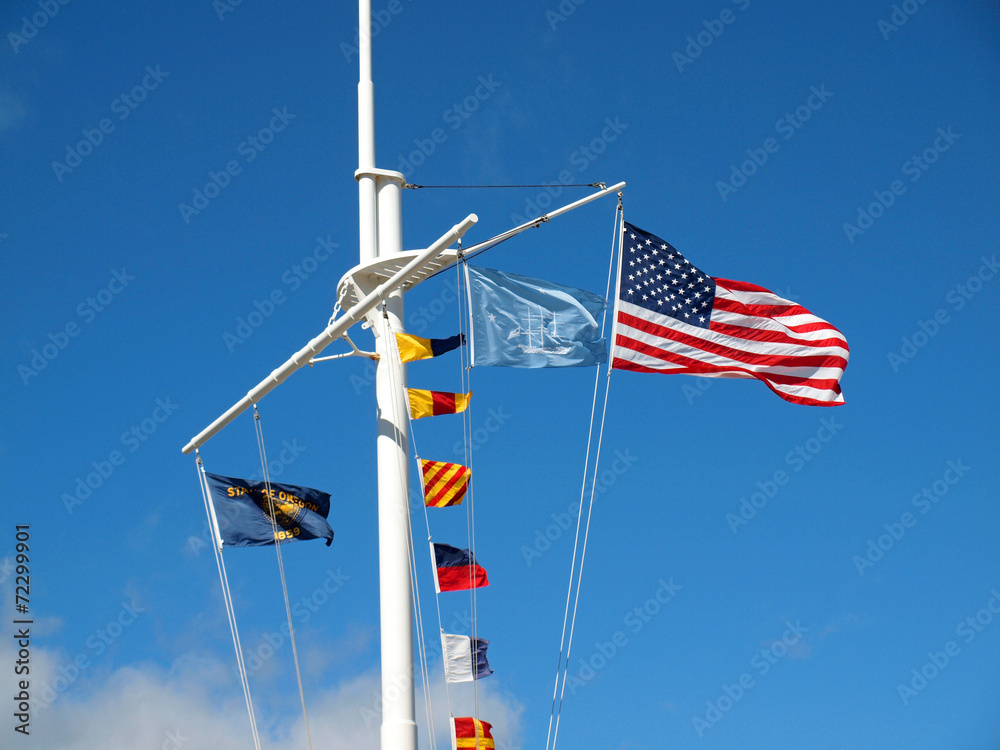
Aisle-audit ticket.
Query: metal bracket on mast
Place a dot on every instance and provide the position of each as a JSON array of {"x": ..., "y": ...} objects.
[
  {"x": 362, "y": 278},
  {"x": 355, "y": 352},
  {"x": 333, "y": 331}
]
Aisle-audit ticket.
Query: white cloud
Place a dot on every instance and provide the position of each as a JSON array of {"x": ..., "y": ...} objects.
[{"x": 196, "y": 704}]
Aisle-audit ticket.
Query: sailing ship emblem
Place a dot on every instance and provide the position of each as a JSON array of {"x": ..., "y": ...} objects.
[{"x": 555, "y": 343}]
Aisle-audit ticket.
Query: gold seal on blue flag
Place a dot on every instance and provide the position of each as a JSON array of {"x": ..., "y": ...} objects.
[{"x": 254, "y": 514}]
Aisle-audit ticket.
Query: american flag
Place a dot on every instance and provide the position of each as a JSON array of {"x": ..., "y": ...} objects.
[{"x": 674, "y": 318}]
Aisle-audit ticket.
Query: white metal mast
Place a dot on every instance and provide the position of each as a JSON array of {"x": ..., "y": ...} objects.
[{"x": 381, "y": 236}]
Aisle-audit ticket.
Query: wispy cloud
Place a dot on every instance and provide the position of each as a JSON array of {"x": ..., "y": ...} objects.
[
  {"x": 12, "y": 111},
  {"x": 196, "y": 703}
]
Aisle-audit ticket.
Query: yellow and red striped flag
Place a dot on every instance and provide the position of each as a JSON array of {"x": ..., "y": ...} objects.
[
  {"x": 467, "y": 732},
  {"x": 444, "y": 484},
  {"x": 432, "y": 403}
]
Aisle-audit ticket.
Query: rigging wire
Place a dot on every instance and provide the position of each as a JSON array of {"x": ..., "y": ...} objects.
[
  {"x": 281, "y": 566},
  {"x": 469, "y": 453},
  {"x": 499, "y": 239},
  {"x": 227, "y": 596},
  {"x": 555, "y": 714},
  {"x": 409, "y": 186},
  {"x": 583, "y": 555}
]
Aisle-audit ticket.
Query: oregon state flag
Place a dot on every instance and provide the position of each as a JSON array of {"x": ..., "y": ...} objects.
[
  {"x": 412, "y": 348},
  {"x": 254, "y": 514},
  {"x": 456, "y": 569},
  {"x": 444, "y": 484},
  {"x": 432, "y": 403},
  {"x": 467, "y": 732}
]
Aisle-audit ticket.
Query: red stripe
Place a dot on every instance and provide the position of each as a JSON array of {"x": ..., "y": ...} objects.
[
  {"x": 435, "y": 470},
  {"x": 461, "y": 577},
  {"x": 440, "y": 491},
  {"x": 742, "y": 286},
  {"x": 761, "y": 360},
  {"x": 442, "y": 403},
  {"x": 624, "y": 364},
  {"x": 438, "y": 488}
]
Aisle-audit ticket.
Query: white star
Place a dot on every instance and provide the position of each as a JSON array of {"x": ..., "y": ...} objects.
[{"x": 492, "y": 317}]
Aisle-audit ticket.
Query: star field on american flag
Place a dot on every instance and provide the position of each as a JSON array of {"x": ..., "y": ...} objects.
[{"x": 656, "y": 276}]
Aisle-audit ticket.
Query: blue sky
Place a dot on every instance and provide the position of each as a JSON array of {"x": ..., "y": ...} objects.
[{"x": 843, "y": 155}]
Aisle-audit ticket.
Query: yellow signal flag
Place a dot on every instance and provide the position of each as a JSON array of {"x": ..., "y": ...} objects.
[
  {"x": 412, "y": 348},
  {"x": 444, "y": 483},
  {"x": 432, "y": 403}
]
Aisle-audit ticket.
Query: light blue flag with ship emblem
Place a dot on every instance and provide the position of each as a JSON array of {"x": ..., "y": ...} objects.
[{"x": 518, "y": 321}]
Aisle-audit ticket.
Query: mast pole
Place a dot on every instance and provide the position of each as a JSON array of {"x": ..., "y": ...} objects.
[{"x": 380, "y": 234}]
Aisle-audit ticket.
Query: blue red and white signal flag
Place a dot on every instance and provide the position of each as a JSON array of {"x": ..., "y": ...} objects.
[
  {"x": 456, "y": 569},
  {"x": 674, "y": 318},
  {"x": 464, "y": 658}
]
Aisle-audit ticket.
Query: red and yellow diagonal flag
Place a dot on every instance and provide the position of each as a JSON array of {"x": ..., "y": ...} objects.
[
  {"x": 444, "y": 484},
  {"x": 432, "y": 403},
  {"x": 467, "y": 732}
]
